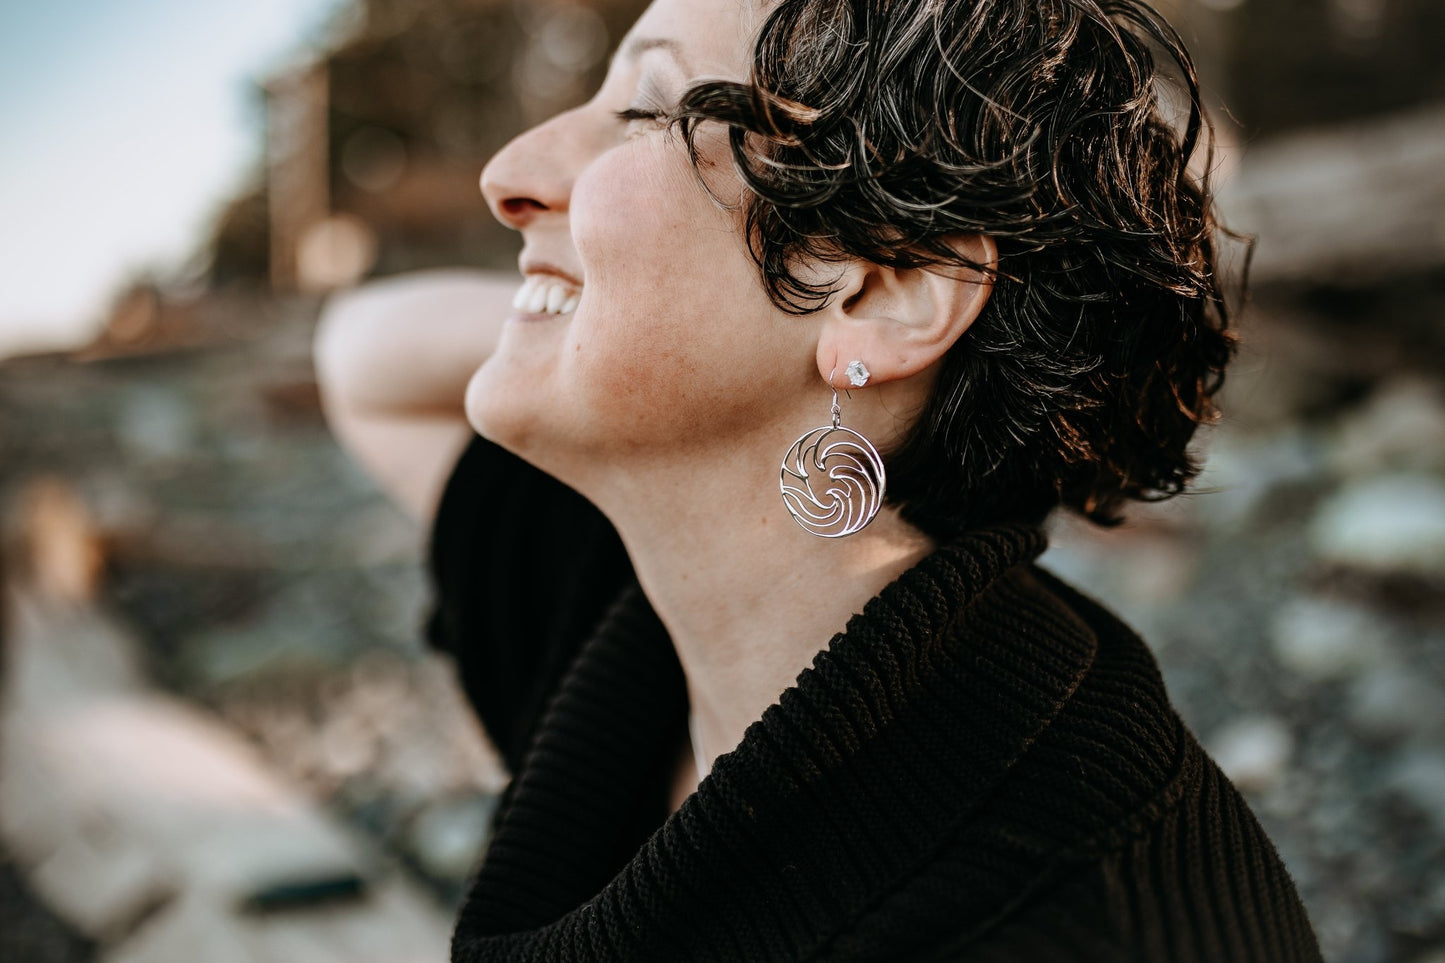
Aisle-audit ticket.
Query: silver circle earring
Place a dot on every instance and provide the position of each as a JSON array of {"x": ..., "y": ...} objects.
[{"x": 840, "y": 462}]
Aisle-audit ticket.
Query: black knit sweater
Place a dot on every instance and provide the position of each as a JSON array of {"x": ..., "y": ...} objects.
[{"x": 983, "y": 766}]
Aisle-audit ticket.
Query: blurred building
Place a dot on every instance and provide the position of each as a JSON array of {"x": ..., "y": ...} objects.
[
  {"x": 374, "y": 147},
  {"x": 374, "y": 141}
]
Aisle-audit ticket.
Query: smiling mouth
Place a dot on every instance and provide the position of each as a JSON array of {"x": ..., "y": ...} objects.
[{"x": 546, "y": 294}]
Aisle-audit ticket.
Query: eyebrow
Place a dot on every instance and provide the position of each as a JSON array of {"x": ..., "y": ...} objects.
[{"x": 635, "y": 47}]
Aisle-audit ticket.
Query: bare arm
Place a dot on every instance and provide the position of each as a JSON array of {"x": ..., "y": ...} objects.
[{"x": 393, "y": 359}]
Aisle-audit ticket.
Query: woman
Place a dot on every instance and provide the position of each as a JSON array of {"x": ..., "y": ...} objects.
[{"x": 954, "y": 236}]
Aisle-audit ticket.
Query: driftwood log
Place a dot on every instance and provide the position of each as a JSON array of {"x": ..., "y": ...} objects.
[
  {"x": 145, "y": 823},
  {"x": 1348, "y": 205}
]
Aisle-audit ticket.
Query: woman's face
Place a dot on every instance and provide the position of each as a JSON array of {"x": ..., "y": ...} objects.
[{"x": 661, "y": 342}]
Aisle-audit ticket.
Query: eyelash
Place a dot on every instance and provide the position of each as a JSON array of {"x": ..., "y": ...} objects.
[{"x": 640, "y": 113}]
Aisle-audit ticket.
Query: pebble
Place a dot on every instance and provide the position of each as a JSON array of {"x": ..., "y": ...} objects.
[
  {"x": 447, "y": 837},
  {"x": 155, "y": 422},
  {"x": 1392, "y": 700},
  {"x": 1401, "y": 426},
  {"x": 1322, "y": 638},
  {"x": 1253, "y": 751},
  {"x": 1337, "y": 924},
  {"x": 1418, "y": 777},
  {"x": 1386, "y": 524},
  {"x": 1241, "y": 471},
  {"x": 1288, "y": 796},
  {"x": 346, "y": 747}
]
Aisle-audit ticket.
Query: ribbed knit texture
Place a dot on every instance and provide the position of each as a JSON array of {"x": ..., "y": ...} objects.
[{"x": 982, "y": 766}]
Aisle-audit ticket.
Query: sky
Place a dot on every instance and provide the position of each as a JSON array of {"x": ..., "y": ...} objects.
[{"x": 124, "y": 126}]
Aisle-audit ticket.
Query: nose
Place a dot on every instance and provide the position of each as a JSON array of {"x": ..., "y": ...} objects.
[{"x": 533, "y": 174}]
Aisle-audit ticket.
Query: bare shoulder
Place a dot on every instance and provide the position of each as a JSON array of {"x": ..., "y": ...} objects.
[{"x": 393, "y": 358}]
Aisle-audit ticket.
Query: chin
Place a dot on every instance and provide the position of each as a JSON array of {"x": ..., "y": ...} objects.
[
  {"x": 525, "y": 415},
  {"x": 497, "y": 413}
]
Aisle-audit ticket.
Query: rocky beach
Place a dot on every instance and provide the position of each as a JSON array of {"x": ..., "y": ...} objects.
[{"x": 1295, "y": 601}]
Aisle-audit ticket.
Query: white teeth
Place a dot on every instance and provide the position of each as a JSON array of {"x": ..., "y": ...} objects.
[
  {"x": 524, "y": 293},
  {"x": 541, "y": 293}
]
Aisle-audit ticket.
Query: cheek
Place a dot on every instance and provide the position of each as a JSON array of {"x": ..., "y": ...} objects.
[
  {"x": 636, "y": 215},
  {"x": 675, "y": 330},
  {"x": 664, "y": 266}
]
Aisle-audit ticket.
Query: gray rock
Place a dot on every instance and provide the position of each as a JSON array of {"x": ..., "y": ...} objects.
[
  {"x": 1288, "y": 796},
  {"x": 1337, "y": 923},
  {"x": 156, "y": 423},
  {"x": 1400, "y": 427},
  {"x": 346, "y": 746},
  {"x": 1388, "y": 524},
  {"x": 1323, "y": 638},
  {"x": 1392, "y": 700},
  {"x": 1253, "y": 751},
  {"x": 297, "y": 629},
  {"x": 1242, "y": 470},
  {"x": 1418, "y": 777},
  {"x": 447, "y": 838}
]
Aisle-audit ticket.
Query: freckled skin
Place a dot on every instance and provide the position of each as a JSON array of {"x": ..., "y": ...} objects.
[
  {"x": 671, "y": 394},
  {"x": 674, "y": 345}
]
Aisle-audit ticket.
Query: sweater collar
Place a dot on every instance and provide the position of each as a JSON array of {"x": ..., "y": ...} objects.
[{"x": 844, "y": 787}]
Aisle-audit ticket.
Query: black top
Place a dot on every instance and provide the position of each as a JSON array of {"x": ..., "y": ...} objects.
[{"x": 983, "y": 766}]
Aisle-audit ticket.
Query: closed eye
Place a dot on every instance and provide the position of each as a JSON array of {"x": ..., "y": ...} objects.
[{"x": 640, "y": 113}]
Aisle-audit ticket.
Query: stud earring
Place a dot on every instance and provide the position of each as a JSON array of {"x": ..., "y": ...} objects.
[{"x": 840, "y": 462}]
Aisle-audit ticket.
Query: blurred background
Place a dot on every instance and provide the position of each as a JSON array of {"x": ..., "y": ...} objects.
[{"x": 221, "y": 735}]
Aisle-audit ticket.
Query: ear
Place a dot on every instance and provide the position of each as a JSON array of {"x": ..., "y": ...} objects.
[{"x": 900, "y": 322}]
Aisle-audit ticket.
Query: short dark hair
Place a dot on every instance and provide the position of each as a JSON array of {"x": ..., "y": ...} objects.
[{"x": 878, "y": 128}]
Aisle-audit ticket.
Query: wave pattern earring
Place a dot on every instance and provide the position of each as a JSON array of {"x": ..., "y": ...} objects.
[{"x": 832, "y": 477}]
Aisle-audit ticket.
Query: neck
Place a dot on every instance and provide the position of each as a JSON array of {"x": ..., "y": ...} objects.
[{"x": 748, "y": 597}]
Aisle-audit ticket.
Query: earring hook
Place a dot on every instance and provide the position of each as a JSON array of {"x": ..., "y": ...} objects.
[{"x": 837, "y": 411}]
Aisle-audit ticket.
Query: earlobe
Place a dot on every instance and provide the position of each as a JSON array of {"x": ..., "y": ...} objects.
[{"x": 900, "y": 322}]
